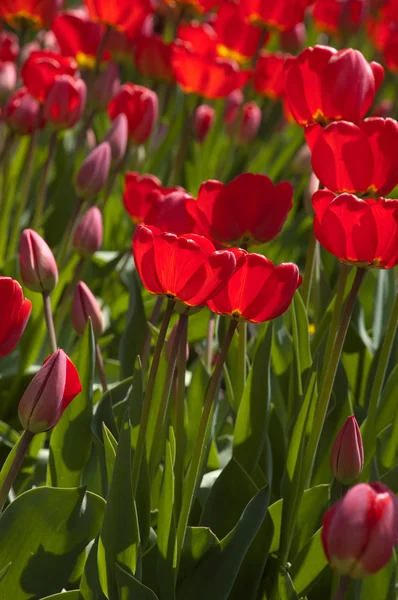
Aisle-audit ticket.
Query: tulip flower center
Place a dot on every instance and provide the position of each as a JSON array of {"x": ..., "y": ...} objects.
[{"x": 23, "y": 20}]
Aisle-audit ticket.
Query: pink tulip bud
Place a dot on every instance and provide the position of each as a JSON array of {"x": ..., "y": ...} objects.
[
  {"x": 65, "y": 103},
  {"x": 39, "y": 271},
  {"x": 94, "y": 171},
  {"x": 171, "y": 341},
  {"x": 250, "y": 124},
  {"x": 49, "y": 393},
  {"x": 89, "y": 232},
  {"x": 21, "y": 112},
  {"x": 346, "y": 459},
  {"x": 84, "y": 306},
  {"x": 106, "y": 86},
  {"x": 292, "y": 40},
  {"x": 8, "y": 78},
  {"x": 203, "y": 120},
  {"x": 232, "y": 104},
  {"x": 140, "y": 105},
  {"x": 117, "y": 138},
  {"x": 360, "y": 530}
]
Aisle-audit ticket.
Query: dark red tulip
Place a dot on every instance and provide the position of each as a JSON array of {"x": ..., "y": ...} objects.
[
  {"x": 269, "y": 75},
  {"x": 236, "y": 38},
  {"x": 41, "y": 70},
  {"x": 185, "y": 268},
  {"x": 123, "y": 14},
  {"x": 293, "y": 40},
  {"x": 140, "y": 105},
  {"x": 9, "y": 46},
  {"x": 257, "y": 291},
  {"x": 282, "y": 14},
  {"x": 247, "y": 211},
  {"x": 140, "y": 192},
  {"x": 324, "y": 85},
  {"x": 65, "y": 103},
  {"x": 347, "y": 456},
  {"x": 88, "y": 236},
  {"x": 360, "y": 531},
  {"x": 152, "y": 57},
  {"x": 250, "y": 121},
  {"x": 35, "y": 14},
  {"x": 334, "y": 16},
  {"x": 37, "y": 264},
  {"x": 359, "y": 232},
  {"x": 16, "y": 312},
  {"x": 21, "y": 112},
  {"x": 203, "y": 120},
  {"x": 85, "y": 306},
  {"x": 357, "y": 159}
]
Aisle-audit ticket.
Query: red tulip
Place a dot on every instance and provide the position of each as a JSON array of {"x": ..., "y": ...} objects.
[
  {"x": 282, "y": 14},
  {"x": 334, "y": 16},
  {"x": 88, "y": 236},
  {"x": 16, "y": 312},
  {"x": 9, "y": 46},
  {"x": 21, "y": 112},
  {"x": 363, "y": 233},
  {"x": 292, "y": 40},
  {"x": 233, "y": 102},
  {"x": 347, "y": 457},
  {"x": 257, "y": 291},
  {"x": 203, "y": 120},
  {"x": 200, "y": 38},
  {"x": 140, "y": 105},
  {"x": 37, "y": 264},
  {"x": 41, "y": 70},
  {"x": 269, "y": 76},
  {"x": 205, "y": 75},
  {"x": 248, "y": 210},
  {"x": 49, "y": 393},
  {"x": 123, "y": 14},
  {"x": 140, "y": 192},
  {"x": 35, "y": 14},
  {"x": 65, "y": 103},
  {"x": 152, "y": 57},
  {"x": 170, "y": 212},
  {"x": 85, "y": 306},
  {"x": 323, "y": 85},
  {"x": 185, "y": 268},
  {"x": 357, "y": 159},
  {"x": 250, "y": 121},
  {"x": 360, "y": 531}
]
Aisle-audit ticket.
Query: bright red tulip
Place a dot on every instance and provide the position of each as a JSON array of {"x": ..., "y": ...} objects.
[
  {"x": 140, "y": 105},
  {"x": 357, "y": 159},
  {"x": 16, "y": 312},
  {"x": 210, "y": 77},
  {"x": 347, "y": 457},
  {"x": 363, "y": 233},
  {"x": 323, "y": 85},
  {"x": 247, "y": 211},
  {"x": 360, "y": 531},
  {"x": 185, "y": 268},
  {"x": 170, "y": 212},
  {"x": 282, "y": 14},
  {"x": 49, "y": 393},
  {"x": 257, "y": 291},
  {"x": 41, "y": 70},
  {"x": 336, "y": 16},
  {"x": 269, "y": 75},
  {"x": 9, "y": 46},
  {"x": 200, "y": 38},
  {"x": 124, "y": 15},
  {"x": 35, "y": 14},
  {"x": 152, "y": 57},
  {"x": 65, "y": 103},
  {"x": 37, "y": 264},
  {"x": 85, "y": 306},
  {"x": 21, "y": 112},
  {"x": 140, "y": 192},
  {"x": 88, "y": 236},
  {"x": 203, "y": 120}
]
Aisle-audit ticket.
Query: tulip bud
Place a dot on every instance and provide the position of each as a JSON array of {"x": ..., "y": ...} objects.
[
  {"x": 360, "y": 530},
  {"x": 140, "y": 105},
  {"x": 65, "y": 102},
  {"x": 8, "y": 78},
  {"x": 84, "y": 306},
  {"x": 89, "y": 232},
  {"x": 94, "y": 171},
  {"x": 49, "y": 393},
  {"x": 21, "y": 112},
  {"x": 232, "y": 104},
  {"x": 106, "y": 86},
  {"x": 292, "y": 40},
  {"x": 170, "y": 343},
  {"x": 39, "y": 271},
  {"x": 250, "y": 124},
  {"x": 117, "y": 137},
  {"x": 203, "y": 120},
  {"x": 346, "y": 459}
]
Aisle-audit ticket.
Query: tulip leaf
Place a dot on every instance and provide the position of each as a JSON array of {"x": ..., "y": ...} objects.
[
  {"x": 43, "y": 533},
  {"x": 72, "y": 595},
  {"x": 194, "y": 405},
  {"x": 381, "y": 584},
  {"x": 119, "y": 538},
  {"x": 253, "y": 414},
  {"x": 135, "y": 331},
  {"x": 197, "y": 542},
  {"x": 90, "y": 587},
  {"x": 130, "y": 588},
  {"x": 303, "y": 342},
  {"x": 285, "y": 587},
  {"x": 9, "y": 460},
  {"x": 110, "y": 449},
  {"x": 308, "y": 564},
  {"x": 70, "y": 440}
]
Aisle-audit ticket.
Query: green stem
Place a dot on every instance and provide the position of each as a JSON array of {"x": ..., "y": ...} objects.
[
  {"x": 48, "y": 316},
  {"x": 186, "y": 136},
  {"x": 209, "y": 340},
  {"x": 153, "y": 319},
  {"x": 27, "y": 437},
  {"x": 65, "y": 303},
  {"x": 156, "y": 444},
  {"x": 100, "y": 368},
  {"x": 179, "y": 419},
  {"x": 242, "y": 370},
  {"x": 141, "y": 439},
  {"x": 6, "y": 206},
  {"x": 369, "y": 430},
  {"x": 344, "y": 584},
  {"x": 296, "y": 346},
  {"x": 195, "y": 467},
  {"x": 41, "y": 196},
  {"x": 309, "y": 269},
  {"x": 64, "y": 246},
  {"x": 9, "y": 139}
]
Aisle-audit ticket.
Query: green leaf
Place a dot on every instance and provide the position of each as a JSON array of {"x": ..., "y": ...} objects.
[
  {"x": 381, "y": 584},
  {"x": 43, "y": 533},
  {"x": 197, "y": 542},
  {"x": 214, "y": 577},
  {"x": 90, "y": 587},
  {"x": 130, "y": 588},
  {"x": 119, "y": 538},
  {"x": 195, "y": 395},
  {"x": 166, "y": 531},
  {"x": 70, "y": 440},
  {"x": 72, "y": 595},
  {"x": 9, "y": 461},
  {"x": 285, "y": 587},
  {"x": 110, "y": 447},
  {"x": 308, "y": 564},
  {"x": 135, "y": 331},
  {"x": 253, "y": 415},
  {"x": 303, "y": 342}
]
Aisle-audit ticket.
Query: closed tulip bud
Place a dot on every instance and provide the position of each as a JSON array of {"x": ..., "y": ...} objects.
[
  {"x": 250, "y": 124},
  {"x": 293, "y": 39},
  {"x": 94, "y": 171},
  {"x": 140, "y": 105},
  {"x": 8, "y": 78},
  {"x": 106, "y": 86},
  {"x": 117, "y": 137},
  {"x": 21, "y": 112},
  {"x": 360, "y": 531},
  {"x": 65, "y": 102},
  {"x": 170, "y": 343},
  {"x": 346, "y": 459},
  {"x": 232, "y": 104},
  {"x": 49, "y": 393},
  {"x": 203, "y": 120},
  {"x": 89, "y": 232},
  {"x": 85, "y": 306},
  {"x": 39, "y": 271}
]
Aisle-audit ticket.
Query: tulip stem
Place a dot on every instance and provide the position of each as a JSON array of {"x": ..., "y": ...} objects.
[
  {"x": 179, "y": 417},
  {"x": 242, "y": 370},
  {"x": 141, "y": 439},
  {"x": 156, "y": 443},
  {"x": 6, "y": 206},
  {"x": 309, "y": 269},
  {"x": 48, "y": 315},
  {"x": 209, "y": 340},
  {"x": 62, "y": 308},
  {"x": 100, "y": 368},
  {"x": 153, "y": 319},
  {"x": 344, "y": 584},
  {"x": 186, "y": 136},
  {"x": 195, "y": 468},
  {"x": 23, "y": 445},
  {"x": 369, "y": 430},
  {"x": 40, "y": 203}
]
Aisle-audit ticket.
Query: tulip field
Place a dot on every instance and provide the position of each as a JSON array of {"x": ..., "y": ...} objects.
[{"x": 198, "y": 299}]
